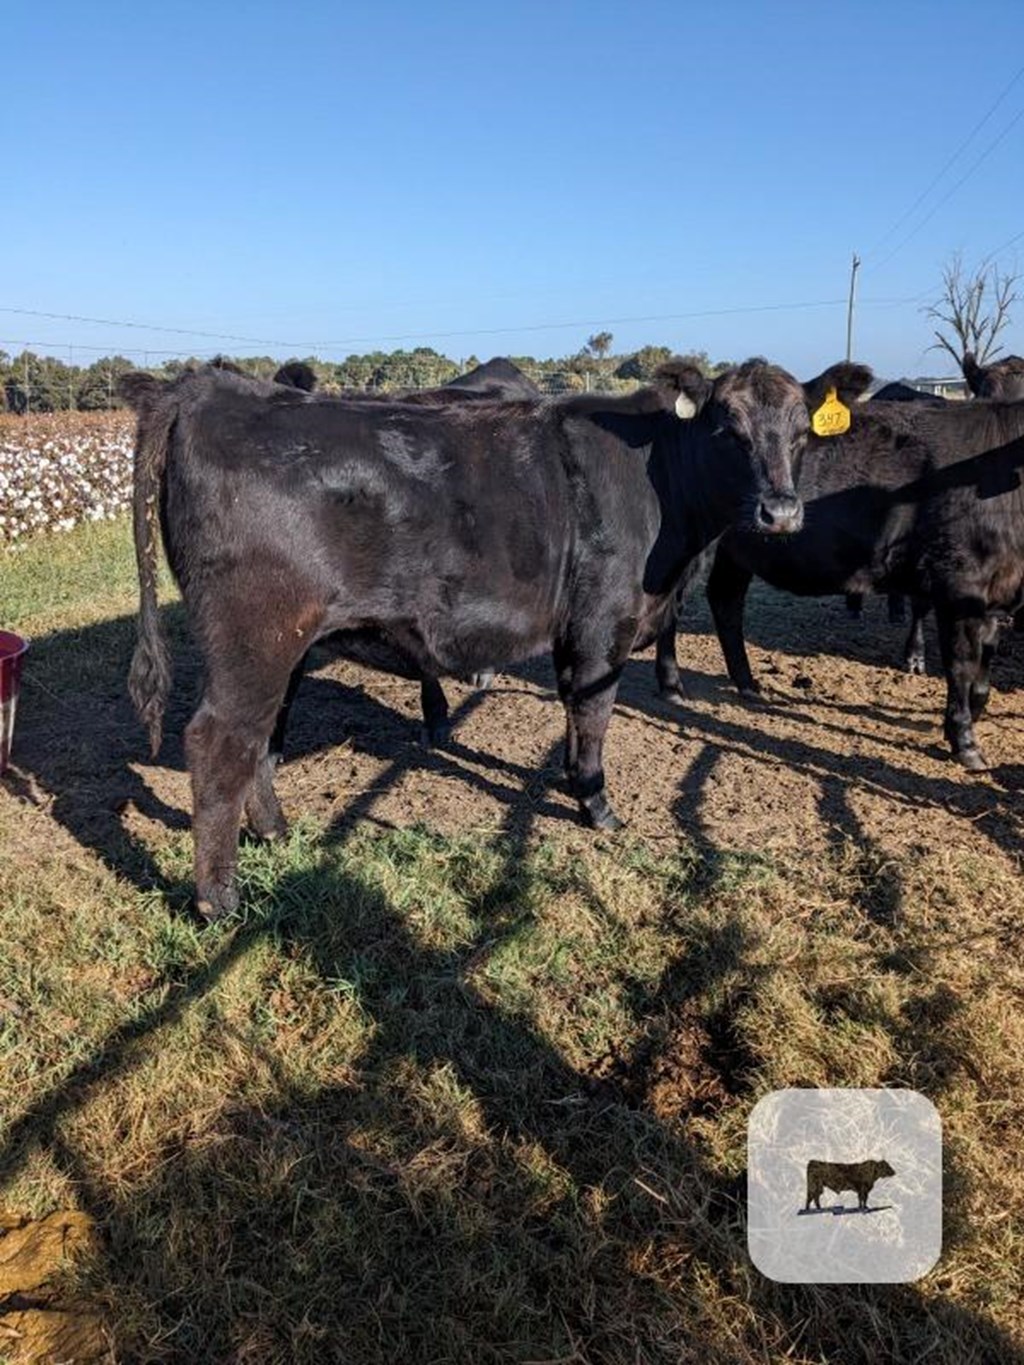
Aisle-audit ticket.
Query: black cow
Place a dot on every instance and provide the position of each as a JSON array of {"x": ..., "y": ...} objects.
[
  {"x": 296, "y": 374},
  {"x": 496, "y": 380},
  {"x": 859, "y": 1176},
  {"x": 898, "y": 392},
  {"x": 913, "y": 499},
  {"x": 441, "y": 540}
]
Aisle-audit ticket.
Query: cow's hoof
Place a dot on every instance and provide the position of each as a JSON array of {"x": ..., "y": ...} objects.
[
  {"x": 599, "y": 814},
  {"x": 750, "y": 691},
  {"x": 217, "y": 902},
  {"x": 482, "y": 681},
  {"x": 673, "y": 695},
  {"x": 915, "y": 665},
  {"x": 972, "y": 759},
  {"x": 270, "y": 831},
  {"x": 435, "y": 736}
]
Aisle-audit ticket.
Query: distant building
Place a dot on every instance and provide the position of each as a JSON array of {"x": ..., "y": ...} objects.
[
  {"x": 955, "y": 386},
  {"x": 904, "y": 390}
]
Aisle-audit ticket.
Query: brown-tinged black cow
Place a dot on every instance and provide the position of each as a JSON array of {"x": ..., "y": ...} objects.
[
  {"x": 296, "y": 374},
  {"x": 496, "y": 380},
  {"x": 912, "y": 499},
  {"x": 859, "y": 1176},
  {"x": 1003, "y": 379},
  {"x": 440, "y": 539}
]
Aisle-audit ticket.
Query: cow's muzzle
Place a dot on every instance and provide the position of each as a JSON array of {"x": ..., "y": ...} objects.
[{"x": 779, "y": 515}]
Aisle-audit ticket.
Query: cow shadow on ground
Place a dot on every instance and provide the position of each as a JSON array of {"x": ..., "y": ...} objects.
[
  {"x": 537, "y": 1214},
  {"x": 80, "y": 752},
  {"x": 839, "y": 1210},
  {"x": 359, "y": 1251}
]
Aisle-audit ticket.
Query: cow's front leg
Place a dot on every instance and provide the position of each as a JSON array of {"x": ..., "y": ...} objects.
[
  {"x": 961, "y": 640},
  {"x": 727, "y": 593}
]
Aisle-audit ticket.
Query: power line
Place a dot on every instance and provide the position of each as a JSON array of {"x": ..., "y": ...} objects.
[
  {"x": 998, "y": 251},
  {"x": 155, "y": 351},
  {"x": 425, "y": 336},
  {"x": 949, "y": 194},
  {"x": 946, "y": 165},
  {"x": 111, "y": 350},
  {"x": 148, "y": 327}
]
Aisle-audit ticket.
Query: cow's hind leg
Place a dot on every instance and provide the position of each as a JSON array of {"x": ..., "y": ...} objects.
[
  {"x": 666, "y": 665},
  {"x": 914, "y": 659},
  {"x": 982, "y": 685},
  {"x": 263, "y": 812},
  {"x": 562, "y": 656},
  {"x": 962, "y": 640},
  {"x": 588, "y": 680},
  {"x": 436, "y": 728},
  {"x": 281, "y": 723},
  {"x": 897, "y": 606},
  {"x": 227, "y": 746}
]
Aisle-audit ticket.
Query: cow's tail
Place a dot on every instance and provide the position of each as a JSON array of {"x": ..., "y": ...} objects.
[{"x": 149, "y": 678}]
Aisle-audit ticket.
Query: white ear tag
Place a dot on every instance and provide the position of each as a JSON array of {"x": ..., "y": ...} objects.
[{"x": 685, "y": 407}]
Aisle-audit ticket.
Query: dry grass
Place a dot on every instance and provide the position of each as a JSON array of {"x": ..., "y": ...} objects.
[{"x": 482, "y": 1097}]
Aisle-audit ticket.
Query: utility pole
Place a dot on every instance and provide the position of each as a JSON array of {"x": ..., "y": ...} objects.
[
  {"x": 849, "y": 311},
  {"x": 28, "y": 392},
  {"x": 71, "y": 379}
]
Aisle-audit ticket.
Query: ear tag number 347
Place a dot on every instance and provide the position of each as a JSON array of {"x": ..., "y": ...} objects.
[{"x": 832, "y": 418}]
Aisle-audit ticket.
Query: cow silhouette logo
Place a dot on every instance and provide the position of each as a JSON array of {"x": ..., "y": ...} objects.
[
  {"x": 859, "y": 1176},
  {"x": 844, "y": 1186}
]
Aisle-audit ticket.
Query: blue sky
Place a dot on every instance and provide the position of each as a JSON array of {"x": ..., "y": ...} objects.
[{"x": 339, "y": 177}]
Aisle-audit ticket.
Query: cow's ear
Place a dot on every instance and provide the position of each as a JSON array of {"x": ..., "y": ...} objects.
[
  {"x": 687, "y": 389},
  {"x": 847, "y": 378}
]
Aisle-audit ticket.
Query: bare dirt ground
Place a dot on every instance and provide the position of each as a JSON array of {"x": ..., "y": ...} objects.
[{"x": 843, "y": 745}]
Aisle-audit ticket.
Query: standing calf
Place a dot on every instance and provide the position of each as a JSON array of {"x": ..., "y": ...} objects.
[{"x": 432, "y": 541}]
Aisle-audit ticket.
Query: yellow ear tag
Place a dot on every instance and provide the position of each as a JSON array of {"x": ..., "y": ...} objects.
[{"x": 832, "y": 418}]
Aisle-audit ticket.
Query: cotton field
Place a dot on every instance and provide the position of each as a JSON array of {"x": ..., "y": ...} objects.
[{"x": 59, "y": 469}]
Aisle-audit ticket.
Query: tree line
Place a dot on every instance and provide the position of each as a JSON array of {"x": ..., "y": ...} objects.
[
  {"x": 974, "y": 308},
  {"x": 40, "y": 383}
]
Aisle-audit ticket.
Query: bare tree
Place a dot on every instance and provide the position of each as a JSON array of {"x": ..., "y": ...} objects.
[
  {"x": 599, "y": 344},
  {"x": 974, "y": 308}
]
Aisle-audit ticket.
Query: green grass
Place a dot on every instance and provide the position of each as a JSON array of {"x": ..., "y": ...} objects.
[{"x": 473, "y": 1099}]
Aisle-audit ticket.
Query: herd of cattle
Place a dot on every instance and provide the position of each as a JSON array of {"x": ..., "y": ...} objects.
[{"x": 452, "y": 531}]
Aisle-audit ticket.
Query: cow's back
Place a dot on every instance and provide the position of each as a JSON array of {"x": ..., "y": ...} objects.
[{"x": 457, "y": 528}]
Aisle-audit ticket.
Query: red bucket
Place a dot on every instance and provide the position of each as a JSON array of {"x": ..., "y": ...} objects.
[{"x": 12, "y": 656}]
